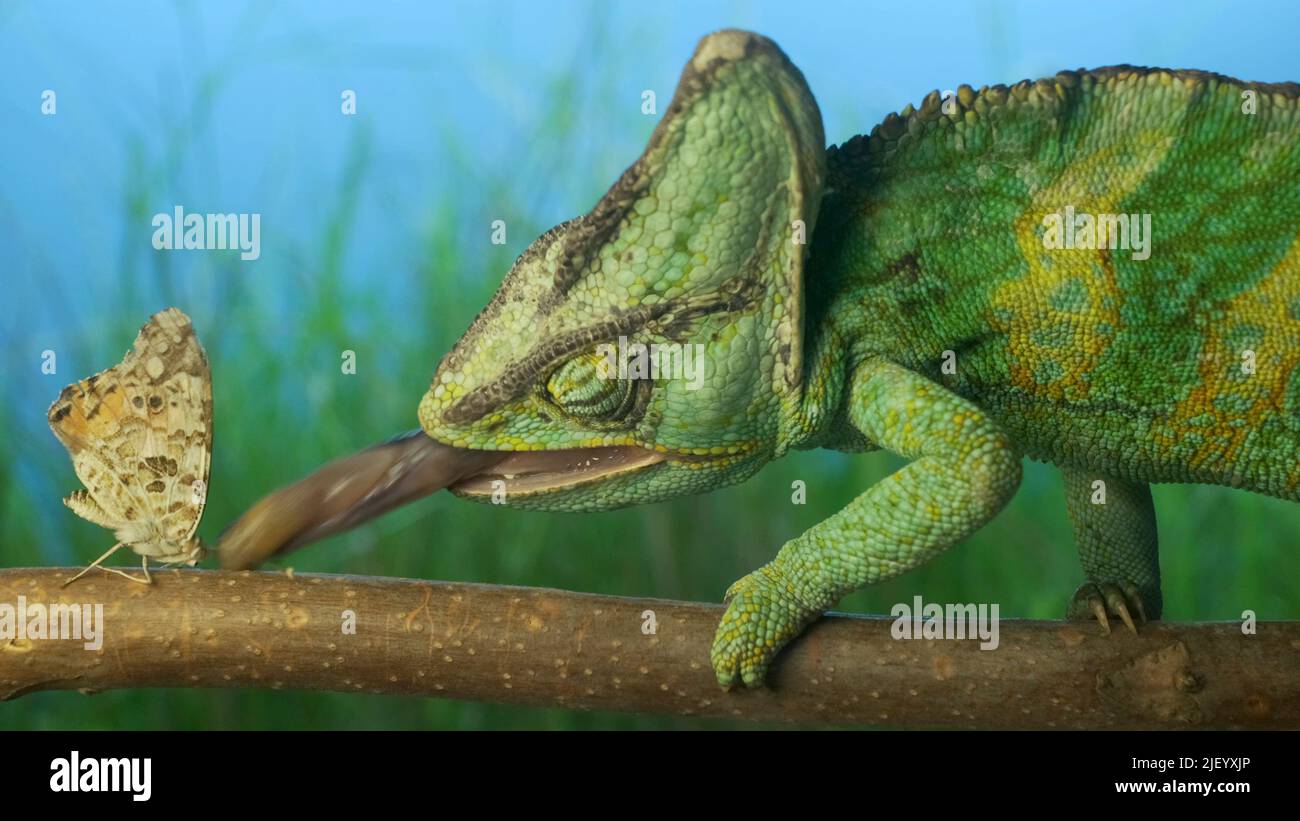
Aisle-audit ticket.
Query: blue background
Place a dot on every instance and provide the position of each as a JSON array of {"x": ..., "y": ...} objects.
[{"x": 375, "y": 238}]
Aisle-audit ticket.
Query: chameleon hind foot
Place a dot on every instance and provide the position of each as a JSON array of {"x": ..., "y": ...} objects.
[
  {"x": 763, "y": 614},
  {"x": 1102, "y": 599}
]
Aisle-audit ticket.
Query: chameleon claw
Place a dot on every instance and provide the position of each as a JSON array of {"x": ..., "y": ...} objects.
[
  {"x": 734, "y": 590},
  {"x": 1131, "y": 591},
  {"x": 1099, "y": 612},
  {"x": 1101, "y": 600},
  {"x": 1116, "y": 604}
]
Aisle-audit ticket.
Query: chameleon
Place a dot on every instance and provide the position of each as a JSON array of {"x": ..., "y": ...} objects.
[{"x": 917, "y": 289}]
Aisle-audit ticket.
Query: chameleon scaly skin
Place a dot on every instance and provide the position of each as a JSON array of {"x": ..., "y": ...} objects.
[{"x": 927, "y": 248}]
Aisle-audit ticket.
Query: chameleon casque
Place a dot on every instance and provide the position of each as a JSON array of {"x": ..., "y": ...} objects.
[{"x": 926, "y": 243}]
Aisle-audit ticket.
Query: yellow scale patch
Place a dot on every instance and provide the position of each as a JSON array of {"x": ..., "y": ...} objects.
[
  {"x": 1264, "y": 305},
  {"x": 1096, "y": 184}
]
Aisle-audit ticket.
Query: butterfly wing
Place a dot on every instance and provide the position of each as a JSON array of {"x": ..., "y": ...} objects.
[{"x": 140, "y": 436}]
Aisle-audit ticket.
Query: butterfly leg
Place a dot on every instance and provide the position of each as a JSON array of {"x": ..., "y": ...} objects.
[
  {"x": 95, "y": 564},
  {"x": 99, "y": 562},
  {"x": 146, "y": 580}
]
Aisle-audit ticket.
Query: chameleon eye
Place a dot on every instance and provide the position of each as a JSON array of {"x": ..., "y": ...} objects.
[{"x": 588, "y": 387}]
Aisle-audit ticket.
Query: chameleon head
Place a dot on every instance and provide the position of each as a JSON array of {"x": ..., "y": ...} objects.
[{"x": 652, "y": 347}]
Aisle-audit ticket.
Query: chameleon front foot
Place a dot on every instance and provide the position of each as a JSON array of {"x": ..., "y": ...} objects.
[
  {"x": 763, "y": 614},
  {"x": 1100, "y": 600}
]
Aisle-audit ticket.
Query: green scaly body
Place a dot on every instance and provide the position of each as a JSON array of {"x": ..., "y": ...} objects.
[{"x": 927, "y": 316}]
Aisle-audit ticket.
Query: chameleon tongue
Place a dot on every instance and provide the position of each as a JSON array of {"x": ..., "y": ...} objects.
[{"x": 346, "y": 493}]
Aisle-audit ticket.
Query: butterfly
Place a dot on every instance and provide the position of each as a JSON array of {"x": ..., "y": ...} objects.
[{"x": 140, "y": 438}]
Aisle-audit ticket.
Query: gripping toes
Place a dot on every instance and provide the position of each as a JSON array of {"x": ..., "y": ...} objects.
[
  {"x": 1102, "y": 599},
  {"x": 763, "y": 614}
]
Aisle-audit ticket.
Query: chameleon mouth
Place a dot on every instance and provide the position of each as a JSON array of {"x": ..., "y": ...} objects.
[{"x": 540, "y": 471}]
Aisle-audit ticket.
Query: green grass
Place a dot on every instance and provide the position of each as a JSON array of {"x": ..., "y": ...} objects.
[{"x": 283, "y": 408}]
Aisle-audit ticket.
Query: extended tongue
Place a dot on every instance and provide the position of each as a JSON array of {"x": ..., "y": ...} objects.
[{"x": 346, "y": 493}]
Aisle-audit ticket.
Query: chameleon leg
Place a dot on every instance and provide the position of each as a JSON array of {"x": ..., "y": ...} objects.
[
  {"x": 1115, "y": 531},
  {"x": 964, "y": 470}
]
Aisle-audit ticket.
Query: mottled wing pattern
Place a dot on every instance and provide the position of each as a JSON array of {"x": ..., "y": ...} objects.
[{"x": 140, "y": 437}]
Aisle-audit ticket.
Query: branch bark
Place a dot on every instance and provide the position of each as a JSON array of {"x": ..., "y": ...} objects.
[{"x": 202, "y": 628}]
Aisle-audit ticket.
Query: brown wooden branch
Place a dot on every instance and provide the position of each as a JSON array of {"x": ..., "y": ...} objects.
[{"x": 200, "y": 628}]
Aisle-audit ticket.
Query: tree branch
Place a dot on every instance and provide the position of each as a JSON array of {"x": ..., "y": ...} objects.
[{"x": 200, "y": 628}]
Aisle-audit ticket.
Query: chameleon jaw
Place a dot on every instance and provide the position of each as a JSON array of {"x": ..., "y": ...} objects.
[{"x": 531, "y": 472}]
